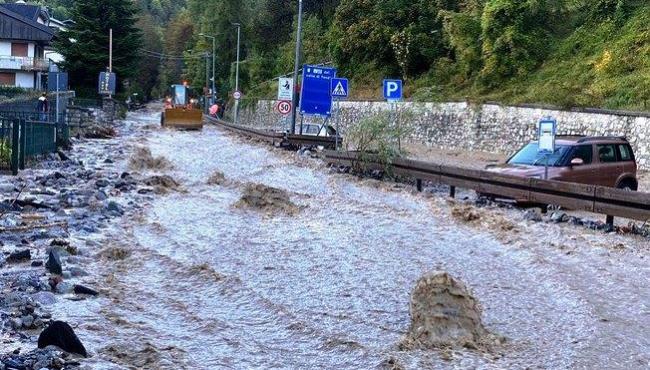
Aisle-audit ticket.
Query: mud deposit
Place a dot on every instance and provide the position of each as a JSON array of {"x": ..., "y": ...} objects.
[
  {"x": 443, "y": 314},
  {"x": 142, "y": 159},
  {"x": 217, "y": 178},
  {"x": 266, "y": 199}
]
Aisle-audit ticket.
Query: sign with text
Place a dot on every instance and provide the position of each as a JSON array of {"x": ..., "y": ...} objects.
[
  {"x": 107, "y": 83},
  {"x": 284, "y": 107},
  {"x": 285, "y": 89},
  {"x": 57, "y": 81},
  {"x": 547, "y": 130},
  {"x": 315, "y": 98}
]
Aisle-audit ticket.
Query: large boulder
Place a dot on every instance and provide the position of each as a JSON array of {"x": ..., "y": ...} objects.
[
  {"x": 62, "y": 335},
  {"x": 53, "y": 263}
]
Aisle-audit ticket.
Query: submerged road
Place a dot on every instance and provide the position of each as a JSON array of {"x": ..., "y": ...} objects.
[{"x": 208, "y": 285}]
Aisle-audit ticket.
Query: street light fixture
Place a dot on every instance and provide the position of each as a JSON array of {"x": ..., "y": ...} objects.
[
  {"x": 238, "y": 25},
  {"x": 214, "y": 53}
]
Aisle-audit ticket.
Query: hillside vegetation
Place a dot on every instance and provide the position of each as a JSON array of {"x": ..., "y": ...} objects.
[{"x": 561, "y": 52}]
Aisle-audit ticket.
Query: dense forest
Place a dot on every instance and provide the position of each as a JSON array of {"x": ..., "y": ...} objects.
[{"x": 561, "y": 52}]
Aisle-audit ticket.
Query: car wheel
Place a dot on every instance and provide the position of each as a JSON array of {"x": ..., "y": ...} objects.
[{"x": 627, "y": 186}]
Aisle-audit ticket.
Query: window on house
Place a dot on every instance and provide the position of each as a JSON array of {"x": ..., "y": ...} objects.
[
  {"x": 19, "y": 49},
  {"x": 7, "y": 79}
]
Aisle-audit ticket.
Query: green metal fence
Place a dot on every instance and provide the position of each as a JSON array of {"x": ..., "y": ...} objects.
[{"x": 22, "y": 139}]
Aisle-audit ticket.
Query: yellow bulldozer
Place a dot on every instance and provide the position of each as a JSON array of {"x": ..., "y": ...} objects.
[{"x": 182, "y": 110}]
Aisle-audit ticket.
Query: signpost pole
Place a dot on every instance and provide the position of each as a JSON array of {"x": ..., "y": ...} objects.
[
  {"x": 338, "y": 120},
  {"x": 237, "y": 73},
  {"x": 295, "y": 68},
  {"x": 207, "y": 85},
  {"x": 110, "y": 54}
]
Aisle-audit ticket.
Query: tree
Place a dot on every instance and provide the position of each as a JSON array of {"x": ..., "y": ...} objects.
[
  {"x": 148, "y": 76},
  {"x": 85, "y": 46}
]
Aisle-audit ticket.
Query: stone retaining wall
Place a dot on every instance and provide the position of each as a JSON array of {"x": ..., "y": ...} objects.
[{"x": 487, "y": 127}]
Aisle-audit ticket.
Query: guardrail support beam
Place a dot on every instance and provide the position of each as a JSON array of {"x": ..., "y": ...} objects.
[
  {"x": 452, "y": 192},
  {"x": 418, "y": 183},
  {"x": 610, "y": 220}
]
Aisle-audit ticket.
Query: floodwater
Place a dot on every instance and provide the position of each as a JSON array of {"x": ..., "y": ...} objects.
[{"x": 206, "y": 285}]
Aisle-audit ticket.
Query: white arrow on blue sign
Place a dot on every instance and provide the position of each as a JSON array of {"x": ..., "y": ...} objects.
[
  {"x": 393, "y": 90},
  {"x": 340, "y": 88}
]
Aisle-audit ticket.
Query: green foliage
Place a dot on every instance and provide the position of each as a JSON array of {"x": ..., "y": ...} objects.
[
  {"x": 85, "y": 44},
  {"x": 377, "y": 137},
  {"x": 5, "y": 150}
]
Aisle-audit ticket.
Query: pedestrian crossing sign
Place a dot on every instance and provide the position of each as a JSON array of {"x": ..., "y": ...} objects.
[{"x": 340, "y": 88}]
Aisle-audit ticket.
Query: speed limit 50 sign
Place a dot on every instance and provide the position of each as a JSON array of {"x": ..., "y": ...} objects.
[{"x": 284, "y": 107}]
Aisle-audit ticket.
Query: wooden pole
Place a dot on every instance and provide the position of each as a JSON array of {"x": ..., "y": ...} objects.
[{"x": 110, "y": 50}]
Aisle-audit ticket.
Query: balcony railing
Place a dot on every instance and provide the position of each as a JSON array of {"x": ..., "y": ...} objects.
[{"x": 23, "y": 63}]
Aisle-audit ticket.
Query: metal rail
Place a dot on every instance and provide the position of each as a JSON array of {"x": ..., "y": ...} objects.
[
  {"x": 597, "y": 199},
  {"x": 274, "y": 136}
]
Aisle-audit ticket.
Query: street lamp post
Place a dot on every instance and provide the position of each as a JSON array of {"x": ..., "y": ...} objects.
[
  {"x": 214, "y": 53},
  {"x": 238, "y": 25},
  {"x": 295, "y": 69}
]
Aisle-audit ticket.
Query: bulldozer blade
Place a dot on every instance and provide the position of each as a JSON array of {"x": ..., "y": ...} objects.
[{"x": 186, "y": 119}]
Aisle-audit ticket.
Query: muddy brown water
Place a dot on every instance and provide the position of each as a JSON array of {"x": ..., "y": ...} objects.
[{"x": 208, "y": 285}]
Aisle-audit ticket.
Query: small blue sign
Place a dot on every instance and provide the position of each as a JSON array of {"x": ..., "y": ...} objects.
[
  {"x": 393, "y": 90},
  {"x": 315, "y": 97},
  {"x": 340, "y": 88},
  {"x": 107, "y": 83},
  {"x": 57, "y": 81}
]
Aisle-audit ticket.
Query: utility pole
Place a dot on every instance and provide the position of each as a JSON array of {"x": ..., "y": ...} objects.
[
  {"x": 238, "y": 25},
  {"x": 207, "y": 81},
  {"x": 214, "y": 54},
  {"x": 110, "y": 50},
  {"x": 295, "y": 69}
]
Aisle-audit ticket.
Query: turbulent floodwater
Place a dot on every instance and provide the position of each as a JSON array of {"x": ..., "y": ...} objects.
[{"x": 207, "y": 285}]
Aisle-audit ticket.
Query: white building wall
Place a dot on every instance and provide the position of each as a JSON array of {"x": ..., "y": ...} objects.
[
  {"x": 5, "y": 48},
  {"x": 31, "y": 47},
  {"x": 25, "y": 80}
]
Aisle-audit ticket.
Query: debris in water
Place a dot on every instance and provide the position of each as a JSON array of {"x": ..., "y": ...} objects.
[
  {"x": 465, "y": 213},
  {"x": 217, "y": 178},
  {"x": 207, "y": 270},
  {"x": 99, "y": 132},
  {"x": 114, "y": 253},
  {"x": 162, "y": 184},
  {"x": 391, "y": 363},
  {"x": 264, "y": 198},
  {"x": 142, "y": 159},
  {"x": 443, "y": 314}
]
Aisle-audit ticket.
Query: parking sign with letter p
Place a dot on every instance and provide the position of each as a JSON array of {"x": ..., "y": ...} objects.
[{"x": 393, "y": 90}]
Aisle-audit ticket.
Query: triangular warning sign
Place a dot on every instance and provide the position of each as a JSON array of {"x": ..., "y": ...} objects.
[{"x": 339, "y": 90}]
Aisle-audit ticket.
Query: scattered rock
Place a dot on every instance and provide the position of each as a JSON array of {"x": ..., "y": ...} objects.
[
  {"x": 80, "y": 289},
  {"x": 443, "y": 314},
  {"x": 217, "y": 178},
  {"x": 162, "y": 183},
  {"x": 114, "y": 253},
  {"x": 19, "y": 256},
  {"x": 37, "y": 263},
  {"x": 559, "y": 217},
  {"x": 64, "y": 287},
  {"x": 53, "y": 264},
  {"x": 267, "y": 199},
  {"x": 60, "y": 334},
  {"x": 532, "y": 215}
]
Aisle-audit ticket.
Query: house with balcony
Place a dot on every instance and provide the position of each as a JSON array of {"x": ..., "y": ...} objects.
[{"x": 24, "y": 36}]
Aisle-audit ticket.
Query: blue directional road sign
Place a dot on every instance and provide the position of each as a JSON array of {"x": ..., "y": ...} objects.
[
  {"x": 393, "y": 90},
  {"x": 340, "y": 88},
  {"x": 57, "y": 81},
  {"x": 315, "y": 98}
]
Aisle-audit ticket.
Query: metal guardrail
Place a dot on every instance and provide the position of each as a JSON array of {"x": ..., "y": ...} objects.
[
  {"x": 597, "y": 199},
  {"x": 274, "y": 136}
]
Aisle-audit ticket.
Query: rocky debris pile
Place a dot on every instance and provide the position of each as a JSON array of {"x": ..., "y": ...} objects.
[
  {"x": 142, "y": 160},
  {"x": 266, "y": 199},
  {"x": 444, "y": 314},
  {"x": 98, "y": 132},
  {"x": 50, "y": 357}
]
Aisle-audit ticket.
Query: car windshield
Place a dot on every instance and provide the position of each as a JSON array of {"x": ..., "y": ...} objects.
[{"x": 531, "y": 156}]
